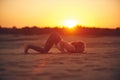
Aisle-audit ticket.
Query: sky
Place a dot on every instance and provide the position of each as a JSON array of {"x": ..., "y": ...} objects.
[{"x": 43, "y": 13}]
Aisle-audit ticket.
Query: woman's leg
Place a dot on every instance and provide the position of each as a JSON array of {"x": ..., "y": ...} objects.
[
  {"x": 36, "y": 48},
  {"x": 54, "y": 38}
]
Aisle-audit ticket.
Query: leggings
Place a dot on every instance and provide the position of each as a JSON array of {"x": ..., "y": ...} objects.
[{"x": 54, "y": 38}]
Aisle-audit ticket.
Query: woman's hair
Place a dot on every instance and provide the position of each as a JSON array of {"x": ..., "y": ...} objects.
[{"x": 79, "y": 46}]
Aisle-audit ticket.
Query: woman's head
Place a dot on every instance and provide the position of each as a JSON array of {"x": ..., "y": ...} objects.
[{"x": 79, "y": 46}]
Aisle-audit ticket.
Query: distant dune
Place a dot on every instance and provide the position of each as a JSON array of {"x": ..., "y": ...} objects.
[{"x": 82, "y": 31}]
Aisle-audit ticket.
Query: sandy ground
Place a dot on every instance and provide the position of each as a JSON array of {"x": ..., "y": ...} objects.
[
  {"x": 100, "y": 62},
  {"x": 88, "y": 66}
]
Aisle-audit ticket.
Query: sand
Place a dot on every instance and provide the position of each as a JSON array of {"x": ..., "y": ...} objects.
[
  {"x": 88, "y": 66},
  {"x": 101, "y": 61}
]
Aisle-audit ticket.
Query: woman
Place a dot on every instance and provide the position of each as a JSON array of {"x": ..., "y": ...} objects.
[{"x": 63, "y": 46}]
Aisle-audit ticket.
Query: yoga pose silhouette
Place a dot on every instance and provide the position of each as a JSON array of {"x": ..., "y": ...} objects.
[{"x": 62, "y": 45}]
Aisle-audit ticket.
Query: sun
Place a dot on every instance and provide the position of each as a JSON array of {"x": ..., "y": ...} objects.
[{"x": 70, "y": 23}]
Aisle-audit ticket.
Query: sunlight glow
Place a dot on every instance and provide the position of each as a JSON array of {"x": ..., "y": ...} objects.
[
  {"x": 51, "y": 13},
  {"x": 70, "y": 23}
]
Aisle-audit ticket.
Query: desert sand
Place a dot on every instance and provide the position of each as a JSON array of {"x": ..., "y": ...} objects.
[{"x": 99, "y": 62}]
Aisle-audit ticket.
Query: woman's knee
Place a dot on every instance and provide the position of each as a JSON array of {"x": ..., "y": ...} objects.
[{"x": 55, "y": 34}]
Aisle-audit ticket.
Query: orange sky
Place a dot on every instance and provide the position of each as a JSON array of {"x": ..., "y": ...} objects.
[{"x": 99, "y": 13}]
